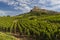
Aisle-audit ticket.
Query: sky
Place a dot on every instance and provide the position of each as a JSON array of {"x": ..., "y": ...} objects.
[{"x": 15, "y": 7}]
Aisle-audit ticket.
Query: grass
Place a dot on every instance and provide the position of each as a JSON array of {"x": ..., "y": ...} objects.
[{"x": 4, "y": 36}]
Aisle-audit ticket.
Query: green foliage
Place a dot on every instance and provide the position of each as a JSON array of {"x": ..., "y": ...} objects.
[
  {"x": 8, "y": 15},
  {"x": 35, "y": 24},
  {"x": 4, "y": 36}
]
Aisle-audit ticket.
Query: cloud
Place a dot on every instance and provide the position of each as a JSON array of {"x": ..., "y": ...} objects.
[
  {"x": 50, "y": 4},
  {"x": 2, "y": 13},
  {"x": 27, "y": 5},
  {"x": 5, "y": 13},
  {"x": 54, "y": 2}
]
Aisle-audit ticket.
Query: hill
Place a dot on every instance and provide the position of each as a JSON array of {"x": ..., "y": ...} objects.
[
  {"x": 36, "y": 11},
  {"x": 34, "y": 25}
]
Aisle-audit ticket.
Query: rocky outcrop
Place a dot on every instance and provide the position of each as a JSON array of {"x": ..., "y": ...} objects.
[{"x": 35, "y": 8}]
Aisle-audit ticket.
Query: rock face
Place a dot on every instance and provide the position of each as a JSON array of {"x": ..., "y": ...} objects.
[{"x": 35, "y": 8}]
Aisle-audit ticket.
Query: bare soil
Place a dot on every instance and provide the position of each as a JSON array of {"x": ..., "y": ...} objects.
[{"x": 22, "y": 37}]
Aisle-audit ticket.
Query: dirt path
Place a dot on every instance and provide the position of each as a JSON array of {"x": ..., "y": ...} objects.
[
  {"x": 18, "y": 37},
  {"x": 21, "y": 37}
]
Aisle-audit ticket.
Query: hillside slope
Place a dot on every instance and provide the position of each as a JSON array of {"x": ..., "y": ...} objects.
[
  {"x": 34, "y": 25},
  {"x": 36, "y": 11}
]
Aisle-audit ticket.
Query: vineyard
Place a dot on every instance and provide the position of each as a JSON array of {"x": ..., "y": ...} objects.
[{"x": 44, "y": 27}]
